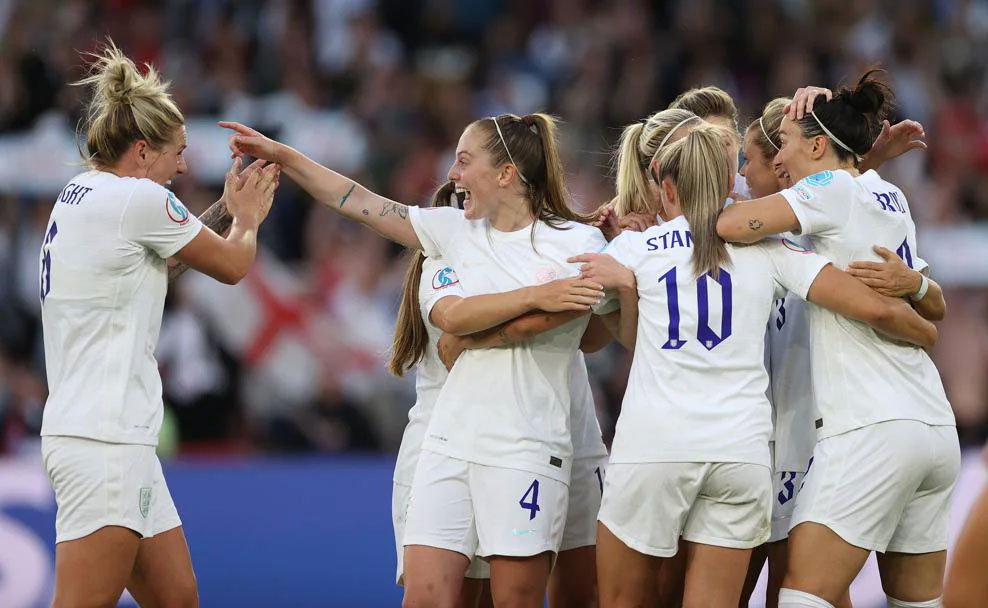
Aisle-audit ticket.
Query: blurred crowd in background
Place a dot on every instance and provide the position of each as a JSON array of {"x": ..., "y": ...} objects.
[{"x": 293, "y": 358}]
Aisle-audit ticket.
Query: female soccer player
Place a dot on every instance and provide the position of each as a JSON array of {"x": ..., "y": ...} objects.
[
  {"x": 491, "y": 478},
  {"x": 690, "y": 454},
  {"x": 102, "y": 289},
  {"x": 887, "y": 454},
  {"x": 788, "y": 354},
  {"x": 433, "y": 302}
]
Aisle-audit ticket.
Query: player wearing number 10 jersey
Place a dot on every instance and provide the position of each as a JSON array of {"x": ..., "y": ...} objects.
[{"x": 690, "y": 454}]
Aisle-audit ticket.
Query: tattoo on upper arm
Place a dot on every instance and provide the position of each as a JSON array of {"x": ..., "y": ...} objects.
[
  {"x": 755, "y": 224},
  {"x": 347, "y": 195},
  {"x": 391, "y": 206}
]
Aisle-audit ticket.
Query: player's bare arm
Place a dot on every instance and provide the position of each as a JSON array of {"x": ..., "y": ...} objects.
[
  {"x": 331, "y": 189},
  {"x": 751, "y": 221}
]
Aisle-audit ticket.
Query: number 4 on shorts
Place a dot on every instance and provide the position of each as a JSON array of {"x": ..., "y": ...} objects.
[{"x": 533, "y": 505}]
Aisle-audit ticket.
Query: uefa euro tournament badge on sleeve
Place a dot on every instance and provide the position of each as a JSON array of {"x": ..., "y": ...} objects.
[
  {"x": 176, "y": 210},
  {"x": 445, "y": 277},
  {"x": 823, "y": 178}
]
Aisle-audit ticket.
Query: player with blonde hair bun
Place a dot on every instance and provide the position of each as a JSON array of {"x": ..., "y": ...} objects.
[{"x": 102, "y": 286}]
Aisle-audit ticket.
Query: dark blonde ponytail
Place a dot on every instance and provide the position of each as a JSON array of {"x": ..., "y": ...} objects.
[{"x": 698, "y": 166}]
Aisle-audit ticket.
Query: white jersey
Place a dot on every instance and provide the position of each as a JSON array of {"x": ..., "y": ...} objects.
[
  {"x": 791, "y": 387},
  {"x": 438, "y": 281},
  {"x": 103, "y": 281},
  {"x": 861, "y": 377},
  {"x": 696, "y": 391},
  {"x": 587, "y": 439},
  {"x": 507, "y": 407}
]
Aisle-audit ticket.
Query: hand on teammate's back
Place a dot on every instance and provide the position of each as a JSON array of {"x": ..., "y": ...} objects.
[
  {"x": 891, "y": 278},
  {"x": 248, "y": 198},
  {"x": 604, "y": 270}
]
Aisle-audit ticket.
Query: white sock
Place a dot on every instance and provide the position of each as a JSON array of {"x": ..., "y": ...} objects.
[
  {"x": 790, "y": 598},
  {"x": 934, "y": 603}
]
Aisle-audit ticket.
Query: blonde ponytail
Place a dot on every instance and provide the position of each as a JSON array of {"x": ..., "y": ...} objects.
[
  {"x": 698, "y": 166},
  {"x": 640, "y": 142}
]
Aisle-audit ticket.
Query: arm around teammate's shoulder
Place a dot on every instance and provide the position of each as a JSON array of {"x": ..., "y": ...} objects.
[{"x": 227, "y": 259}]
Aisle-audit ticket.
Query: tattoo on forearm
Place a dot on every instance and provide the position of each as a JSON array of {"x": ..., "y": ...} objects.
[
  {"x": 347, "y": 195},
  {"x": 502, "y": 335},
  {"x": 391, "y": 206},
  {"x": 754, "y": 224},
  {"x": 216, "y": 218}
]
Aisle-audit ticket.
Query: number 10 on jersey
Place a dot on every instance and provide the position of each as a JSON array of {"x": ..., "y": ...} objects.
[{"x": 707, "y": 336}]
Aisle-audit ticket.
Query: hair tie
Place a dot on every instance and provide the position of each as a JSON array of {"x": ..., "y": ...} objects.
[
  {"x": 765, "y": 133},
  {"x": 529, "y": 121},
  {"x": 668, "y": 135}
]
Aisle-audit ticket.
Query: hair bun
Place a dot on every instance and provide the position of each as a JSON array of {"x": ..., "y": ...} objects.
[{"x": 871, "y": 96}]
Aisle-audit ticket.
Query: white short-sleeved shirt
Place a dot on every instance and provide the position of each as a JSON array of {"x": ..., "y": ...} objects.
[
  {"x": 438, "y": 281},
  {"x": 587, "y": 439},
  {"x": 102, "y": 286},
  {"x": 509, "y": 406},
  {"x": 860, "y": 377},
  {"x": 791, "y": 386},
  {"x": 696, "y": 391}
]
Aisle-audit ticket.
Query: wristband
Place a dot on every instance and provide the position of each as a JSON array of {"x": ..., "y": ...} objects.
[{"x": 921, "y": 292}]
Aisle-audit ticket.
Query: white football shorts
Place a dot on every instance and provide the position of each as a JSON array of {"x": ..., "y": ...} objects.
[
  {"x": 883, "y": 487},
  {"x": 585, "y": 490},
  {"x": 399, "y": 510},
  {"x": 480, "y": 510},
  {"x": 100, "y": 484},
  {"x": 648, "y": 506},
  {"x": 785, "y": 488}
]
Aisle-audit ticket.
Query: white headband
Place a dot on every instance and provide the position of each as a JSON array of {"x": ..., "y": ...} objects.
[
  {"x": 505, "y": 144},
  {"x": 765, "y": 133},
  {"x": 834, "y": 137},
  {"x": 668, "y": 135}
]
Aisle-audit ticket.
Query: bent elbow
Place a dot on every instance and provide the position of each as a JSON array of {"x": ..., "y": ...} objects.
[{"x": 232, "y": 275}]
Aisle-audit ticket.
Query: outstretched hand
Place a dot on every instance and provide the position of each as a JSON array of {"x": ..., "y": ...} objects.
[{"x": 250, "y": 142}]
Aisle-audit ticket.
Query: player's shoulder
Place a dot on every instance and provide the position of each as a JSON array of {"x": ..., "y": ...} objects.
[
  {"x": 574, "y": 232},
  {"x": 437, "y": 275}
]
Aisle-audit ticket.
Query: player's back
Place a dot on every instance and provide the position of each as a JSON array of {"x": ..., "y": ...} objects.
[
  {"x": 861, "y": 377},
  {"x": 697, "y": 386},
  {"x": 102, "y": 286}
]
